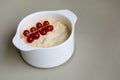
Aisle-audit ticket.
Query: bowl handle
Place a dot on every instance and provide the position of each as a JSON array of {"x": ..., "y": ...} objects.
[
  {"x": 69, "y": 15},
  {"x": 19, "y": 44}
]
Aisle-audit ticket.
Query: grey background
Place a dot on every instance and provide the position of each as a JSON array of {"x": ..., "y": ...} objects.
[{"x": 97, "y": 49}]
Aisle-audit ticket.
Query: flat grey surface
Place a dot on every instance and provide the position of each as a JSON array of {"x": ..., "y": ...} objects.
[{"x": 97, "y": 49}]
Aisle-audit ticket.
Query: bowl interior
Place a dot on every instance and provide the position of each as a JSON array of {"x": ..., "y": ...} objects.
[{"x": 31, "y": 19}]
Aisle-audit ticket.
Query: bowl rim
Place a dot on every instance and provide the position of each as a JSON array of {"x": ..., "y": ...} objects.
[{"x": 42, "y": 48}]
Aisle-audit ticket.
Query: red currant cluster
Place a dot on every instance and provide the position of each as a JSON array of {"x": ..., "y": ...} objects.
[{"x": 34, "y": 32}]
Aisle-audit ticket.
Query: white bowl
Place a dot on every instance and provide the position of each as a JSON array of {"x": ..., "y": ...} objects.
[{"x": 52, "y": 56}]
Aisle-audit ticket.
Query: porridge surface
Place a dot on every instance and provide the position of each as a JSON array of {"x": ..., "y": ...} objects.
[{"x": 60, "y": 33}]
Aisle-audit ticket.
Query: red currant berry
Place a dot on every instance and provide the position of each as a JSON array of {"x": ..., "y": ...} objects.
[
  {"x": 26, "y": 33},
  {"x": 43, "y": 32},
  {"x": 36, "y": 36},
  {"x": 45, "y": 23},
  {"x": 51, "y": 27},
  {"x": 46, "y": 29},
  {"x": 32, "y": 29},
  {"x": 38, "y": 25},
  {"x": 30, "y": 39}
]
